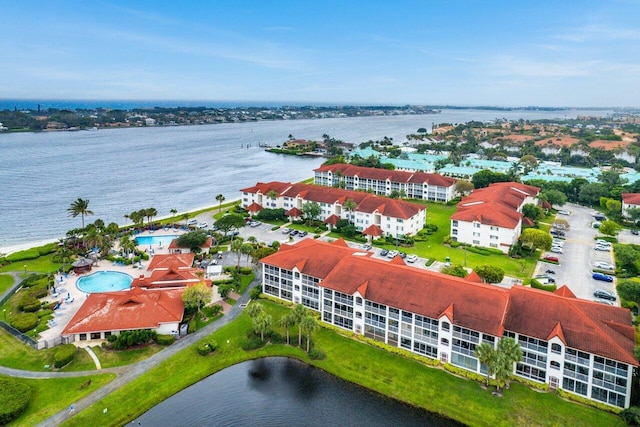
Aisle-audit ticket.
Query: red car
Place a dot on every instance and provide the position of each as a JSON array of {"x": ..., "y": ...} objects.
[{"x": 551, "y": 258}]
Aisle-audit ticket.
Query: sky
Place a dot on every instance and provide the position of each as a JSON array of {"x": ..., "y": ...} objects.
[{"x": 501, "y": 53}]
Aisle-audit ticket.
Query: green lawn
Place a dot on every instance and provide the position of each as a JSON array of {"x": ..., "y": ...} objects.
[
  {"x": 53, "y": 395},
  {"x": 6, "y": 281},
  {"x": 42, "y": 264},
  {"x": 392, "y": 375}
]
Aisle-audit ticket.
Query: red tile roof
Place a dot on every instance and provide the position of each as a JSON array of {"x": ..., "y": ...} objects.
[
  {"x": 565, "y": 141},
  {"x": 631, "y": 198},
  {"x": 332, "y": 219},
  {"x": 392, "y": 175},
  {"x": 368, "y": 203},
  {"x": 126, "y": 310},
  {"x": 496, "y": 204},
  {"x": 584, "y": 325},
  {"x": 171, "y": 260},
  {"x": 293, "y": 212},
  {"x": 254, "y": 207},
  {"x": 609, "y": 145},
  {"x": 373, "y": 230}
]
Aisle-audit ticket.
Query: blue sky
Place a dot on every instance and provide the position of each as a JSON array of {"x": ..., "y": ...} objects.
[{"x": 546, "y": 53}]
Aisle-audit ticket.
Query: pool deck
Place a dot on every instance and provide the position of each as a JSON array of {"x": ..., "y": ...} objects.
[{"x": 67, "y": 310}]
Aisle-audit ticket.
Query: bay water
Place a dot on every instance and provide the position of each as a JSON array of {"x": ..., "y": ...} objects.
[{"x": 181, "y": 167}]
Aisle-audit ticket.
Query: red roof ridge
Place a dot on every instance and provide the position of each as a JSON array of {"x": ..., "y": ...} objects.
[
  {"x": 362, "y": 289},
  {"x": 340, "y": 242},
  {"x": 300, "y": 265},
  {"x": 473, "y": 277},
  {"x": 565, "y": 292},
  {"x": 448, "y": 312},
  {"x": 628, "y": 331},
  {"x": 557, "y": 332},
  {"x": 397, "y": 260}
]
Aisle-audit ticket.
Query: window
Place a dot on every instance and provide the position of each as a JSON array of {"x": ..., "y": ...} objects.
[
  {"x": 476, "y": 225},
  {"x": 444, "y": 342},
  {"x": 95, "y": 335},
  {"x": 476, "y": 242},
  {"x": 445, "y": 326},
  {"x": 454, "y": 223},
  {"x": 454, "y": 232},
  {"x": 476, "y": 234},
  {"x": 358, "y": 315},
  {"x": 83, "y": 337},
  {"x": 556, "y": 348},
  {"x": 555, "y": 365},
  {"x": 358, "y": 301}
]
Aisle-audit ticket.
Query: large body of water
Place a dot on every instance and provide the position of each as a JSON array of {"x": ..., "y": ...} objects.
[
  {"x": 282, "y": 392},
  {"x": 183, "y": 168}
]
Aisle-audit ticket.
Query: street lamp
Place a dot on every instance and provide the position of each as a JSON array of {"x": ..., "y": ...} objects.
[
  {"x": 4, "y": 312},
  {"x": 25, "y": 269}
]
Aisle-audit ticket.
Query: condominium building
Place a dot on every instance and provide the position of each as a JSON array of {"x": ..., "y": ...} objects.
[
  {"x": 391, "y": 217},
  {"x": 491, "y": 216},
  {"x": 413, "y": 185},
  {"x": 580, "y": 346},
  {"x": 630, "y": 201}
]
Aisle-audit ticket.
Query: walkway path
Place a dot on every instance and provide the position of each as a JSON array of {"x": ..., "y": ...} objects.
[
  {"x": 131, "y": 372},
  {"x": 94, "y": 357}
]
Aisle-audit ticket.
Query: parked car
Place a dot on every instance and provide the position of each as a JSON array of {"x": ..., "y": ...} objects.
[
  {"x": 604, "y": 265},
  {"x": 563, "y": 212},
  {"x": 545, "y": 280},
  {"x": 303, "y": 233},
  {"x": 366, "y": 247},
  {"x": 599, "y": 217},
  {"x": 392, "y": 254},
  {"x": 402, "y": 255},
  {"x": 602, "y": 242},
  {"x": 603, "y": 277},
  {"x": 604, "y": 301},
  {"x": 557, "y": 250},
  {"x": 412, "y": 258},
  {"x": 192, "y": 221},
  {"x": 557, "y": 233},
  {"x": 599, "y": 293},
  {"x": 556, "y": 242},
  {"x": 254, "y": 223},
  {"x": 286, "y": 231},
  {"x": 603, "y": 248},
  {"x": 293, "y": 232},
  {"x": 550, "y": 272},
  {"x": 596, "y": 224},
  {"x": 384, "y": 252},
  {"x": 202, "y": 225},
  {"x": 634, "y": 232},
  {"x": 551, "y": 258}
]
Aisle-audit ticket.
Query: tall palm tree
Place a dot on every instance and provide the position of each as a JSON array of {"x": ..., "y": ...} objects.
[
  {"x": 173, "y": 212},
  {"x": 486, "y": 355},
  {"x": 79, "y": 207},
  {"x": 220, "y": 198},
  {"x": 299, "y": 313},
  {"x": 262, "y": 324},
  {"x": 62, "y": 255},
  {"x": 509, "y": 353},
  {"x": 308, "y": 325},
  {"x": 350, "y": 205},
  {"x": 287, "y": 321},
  {"x": 255, "y": 309},
  {"x": 151, "y": 213}
]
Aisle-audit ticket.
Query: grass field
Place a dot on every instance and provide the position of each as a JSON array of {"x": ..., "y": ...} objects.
[
  {"x": 6, "y": 281},
  {"x": 392, "y": 375}
]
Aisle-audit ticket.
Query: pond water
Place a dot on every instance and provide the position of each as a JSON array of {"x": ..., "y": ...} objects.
[{"x": 282, "y": 392}]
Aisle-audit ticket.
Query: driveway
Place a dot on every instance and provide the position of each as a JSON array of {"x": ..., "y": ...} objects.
[{"x": 579, "y": 255}]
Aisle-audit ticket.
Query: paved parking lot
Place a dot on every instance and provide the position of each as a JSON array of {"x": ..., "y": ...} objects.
[{"x": 579, "y": 255}]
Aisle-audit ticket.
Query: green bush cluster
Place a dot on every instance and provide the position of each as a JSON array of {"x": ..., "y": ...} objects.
[
  {"x": 14, "y": 399},
  {"x": 24, "y": 322},
  {"x": 550, "y": 287},
  {"x": 39, "y": 292},
  {"x": 631, "y": 416},
  {"x": 163, "y": 339},
  {"x": 252, "y": 342},
  {"x": 205, "y": 348},
  {"x": 193, "y": 326},
  {"x": 603, "y": 406},
  {"x": 484, "y": 251},
  {"x": 64, "y": 355},
  {"x": 37, "y": 280},
  {"x": 128, "y": 339},
  {"x": 29, "y": 304},
  {"x": 271, "y": 215},
  {"x": 464, "y": 373},
  {"x": 315, "y": 354}
]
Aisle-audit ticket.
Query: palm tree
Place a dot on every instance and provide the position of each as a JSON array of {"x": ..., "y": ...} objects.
[
  {"x": 220, "y": 198},
  {"x": 350, "y": 205},
  {"x": 287, "y": 321},
  {"x": 262, "y": 324},
  {"x": 309, "y": 325},
  {"x": 486, "y": 355},
  {"x": 150, "y": 213},
  {"x": 255, "y": 309},
  {"x": 299, "y": 313},
  {"x": 127, "y": 245},
  {"x": 62, "y": 255},
  {"x": 79, "y": 207},
  {"x": 185, "y": 216},
  {"x": 137, "y": 217},
  {"x": 236, "y": 247},
  {"x": 173, "y": 212},
  {"x": 509, "y": 352}
]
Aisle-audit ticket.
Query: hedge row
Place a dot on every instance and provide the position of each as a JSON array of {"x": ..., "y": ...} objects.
[
  {"x": 64, "y": 355},
  {"x": 14, "y": 399},
  {"x": 165, "y": 339},
  {"x": 24, "y": 321},
  {"x": 550, "y": 287},
  {"x": 32, "y": 253}
]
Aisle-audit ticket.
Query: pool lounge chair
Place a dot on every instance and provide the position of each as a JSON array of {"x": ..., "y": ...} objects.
[{"x": 69, "y": 300}]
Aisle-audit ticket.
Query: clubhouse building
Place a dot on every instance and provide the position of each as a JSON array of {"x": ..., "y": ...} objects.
[
  {"x": 414, "y": 185},
  {"x": 378, "y": 215},
  {"x": 580, "y": 346}
]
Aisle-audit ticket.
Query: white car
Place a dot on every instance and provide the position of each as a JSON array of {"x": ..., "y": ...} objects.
[
  {"x": 600, "y": 242},
  {"x": 557, "y": 250},
  {"x": 392, "y": 254},
  {"x": 202, "y": 225},
  {"x": 192, "y": 221},
  {"x": 603, "y": 248},
  {"x": 412, "y": 258},
  {"x": 564, "y": 212},
  {"x": 604, "y": 265}
]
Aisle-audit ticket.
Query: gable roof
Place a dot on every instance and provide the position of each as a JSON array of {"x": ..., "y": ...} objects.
[
  {"x": 171, "y": 260},
  {"x": 631, "y": 198},
  {"x": 583, "y": 325},
  {"x": 385, "y": 174},
  {"x": 564, "y": 141},
  {"x": 126, "y": 310}
]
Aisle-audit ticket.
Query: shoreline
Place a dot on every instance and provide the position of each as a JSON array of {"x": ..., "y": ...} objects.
[{"x": 9, "y": 249}]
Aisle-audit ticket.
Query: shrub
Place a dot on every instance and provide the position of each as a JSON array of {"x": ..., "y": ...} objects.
[
  {"x": 14, "y": 399},
  {"x": 603, "y": 406},
  {"x": 631, "y": 416},
  {"x": 455, "y": 244},
  {"x": 39, "y": 292},
  {"x": 315, "y": 354},
  {"x": 255, "y": 293},
  {"x": 550, "y": 287},
  {"x": 203, "y": 349},
  {"x": 64, "y": 355},
  {"x": 128, "y": 339},
  {"x": 44, "y": 312},
  {"x": 163, "y": 339},
  {"x": 245, "y": 271},
  {"x": 29, "y": 304},
  {"x": 24, "y": 255},
  {"x": 192, "y": 326},
  {"x": 24, "y": 321},
  {"x": 252, "y": 342}
]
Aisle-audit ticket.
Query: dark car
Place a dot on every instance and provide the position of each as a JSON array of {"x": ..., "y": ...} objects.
[
  {"x": 634, "y": 232},
  {"x": 293, "y": 232},
  {"x": 557, "y": 233},
  {"x": 402, "y": 255},
  {"x": 599, "y": 217},
  {"x": 599, "y": 293},
  {"x": 303, "y": 233},
  {"x": 384, "y": 252},
  {"x": 603, "y": 277}
]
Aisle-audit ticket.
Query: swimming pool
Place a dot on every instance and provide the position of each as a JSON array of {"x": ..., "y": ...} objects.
[
  {"x": 154, "y": 240},
  {"x": 104, "y": 281}
]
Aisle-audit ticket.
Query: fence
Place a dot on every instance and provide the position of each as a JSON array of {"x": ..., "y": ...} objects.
[{"x": 22, "y": 337}]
